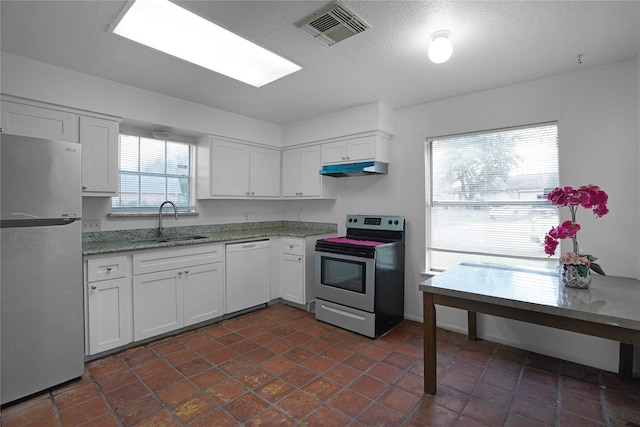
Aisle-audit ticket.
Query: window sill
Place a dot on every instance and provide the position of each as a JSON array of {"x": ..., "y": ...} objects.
[{"x": 148, "y": 214}]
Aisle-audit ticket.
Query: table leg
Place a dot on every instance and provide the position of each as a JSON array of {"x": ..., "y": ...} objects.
[
  {"x": 625, "y": 366},
  {"x": 472, "y": 326},
  {"x": 429, "y": 329}
]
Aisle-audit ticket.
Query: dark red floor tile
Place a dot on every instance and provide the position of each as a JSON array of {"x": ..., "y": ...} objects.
[
  {"x": 137, "y": 355},
  {"x": 467, "y": 369},
  {"x": 384, "y": 372},
  {"x": 411, "y": 383},
  {"x": 274, "y": 390},
  {"x": 584, "y": 407},
  {"x": 299, "y": 404},
  {"x": 399, "y": 400},
  {"x": 236, "y": 366},
  {"x": 151, "y": 367},
  {"x": 163, "y": 379},
  {"x": 493, "y": 395},
  {"x": 138, "y": 410},
  {"x": 571, "y": 419},
  {"x": 380, "y": 416},
  {"x": 322, "y": 388},
  {"x": 161, "y": 418},
  {"x": 349, "y": 402},
  {"x": 226, "y": 391},
  {"x": 255, "y": 377},
  {"x": 498, "y": 379},
  {"x": 580, "y": 388},
  {"x": 359, "y": 362},
  {"x": 76, "y": 395},
  {"x": 181, "y": 356},
  {"x": 318, "y": 364},
  {"x": 167, "y": 346},
  {"x": 126, "y": 394},
  {"x": 193, "y": 408},
  {"x": 430, "y": 414},
  {"x": 259, "y": 355},
  {"x": 27, "y": 412},
  {"x": 538, "y": 392},
  {"x": 317, "y": 345},
  {"x": 457, "y": 381},
  {"x": 229, "y": 339},
  {"x": 298, "y": 376},
  {"x": 270, "y": 417},
  {"x": 177, "y": 393},
  {"x": 208, "y": 378},
  {"x": 217, "y": 418},
  {"x": 342, "y": 374},
  {"x": 448, "y": 398},
  {"x": 368, "y": 386},
  {"x": 338, "y": 353},
  {"x": 327, "y": 417},
  {"x": 534, "y": 409},
  {"x": 244, "y": 346},
  {"x": 84, "y": 412},
  {"x": 399, "y": 360},
  {"x": 484, "y": 413},
  {"x": 278, "y": 365}
]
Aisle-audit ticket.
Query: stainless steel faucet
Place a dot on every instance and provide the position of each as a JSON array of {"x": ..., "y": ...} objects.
[{"x": 175, "y": 211}]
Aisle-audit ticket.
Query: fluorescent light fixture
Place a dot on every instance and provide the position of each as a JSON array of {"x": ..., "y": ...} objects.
[{"x": 172, "y": 29}]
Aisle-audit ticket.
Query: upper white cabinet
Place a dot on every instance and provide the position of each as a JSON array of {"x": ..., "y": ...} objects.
[
  {"x": 98, "y": 137},
  {"x": 99, "y": 140},
  {"x": 300, "y": 177},
  {"x": 29, "y": 120},
  {"x": 363, "y": 148},
  {"x": 229, "y": 169}
]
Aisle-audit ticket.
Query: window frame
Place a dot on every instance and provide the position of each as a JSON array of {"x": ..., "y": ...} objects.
[
  {"x": 538, "y": 259},
  {"x": 143, "y": 210}
]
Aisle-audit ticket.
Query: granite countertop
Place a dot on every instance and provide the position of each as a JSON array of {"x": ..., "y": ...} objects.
[{"x": 106, "y": 242}]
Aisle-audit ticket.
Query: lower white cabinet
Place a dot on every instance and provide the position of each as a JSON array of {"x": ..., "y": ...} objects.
[
  {"x": 108, "y": 295},
  {"x": 173, "y": 288},
  {"x": 296, "y": 269}
]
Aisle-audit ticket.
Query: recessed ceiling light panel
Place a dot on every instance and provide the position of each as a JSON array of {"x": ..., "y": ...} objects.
[{"x": 167, "y": 27}]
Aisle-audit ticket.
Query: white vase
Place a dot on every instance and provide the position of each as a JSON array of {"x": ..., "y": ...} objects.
[{"x": 571, "y": 278}]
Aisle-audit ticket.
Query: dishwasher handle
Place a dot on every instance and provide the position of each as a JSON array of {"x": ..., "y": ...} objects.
[{"x": 247, "y": 246}]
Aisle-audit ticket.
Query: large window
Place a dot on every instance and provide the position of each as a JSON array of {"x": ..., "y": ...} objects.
[
  {"x": 486, "y": 196},
  {"x": 152, "y": 171}
]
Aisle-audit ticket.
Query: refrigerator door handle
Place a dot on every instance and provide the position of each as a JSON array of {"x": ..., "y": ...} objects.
[{"x": 40, "y": 222}]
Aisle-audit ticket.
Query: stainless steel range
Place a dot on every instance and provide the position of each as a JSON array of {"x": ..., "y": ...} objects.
[{"x": 359, "y": 278}]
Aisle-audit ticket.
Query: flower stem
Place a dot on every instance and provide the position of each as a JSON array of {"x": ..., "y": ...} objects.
[{"x": 573, "y": 222}]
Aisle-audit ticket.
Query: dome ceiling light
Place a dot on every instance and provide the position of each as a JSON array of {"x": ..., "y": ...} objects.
[{"x": 440, "y": 49}]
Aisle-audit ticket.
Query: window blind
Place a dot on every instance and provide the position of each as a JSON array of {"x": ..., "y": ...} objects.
[
  {"x": 486, "y": 195},
  {"x": 152, "y": 171}
]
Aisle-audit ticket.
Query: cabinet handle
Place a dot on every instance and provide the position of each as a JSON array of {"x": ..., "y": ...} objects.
[
  {"x": 186, "y": 272},
  {"x": 290, "y": 246},
  {"x": 299, "y": 259},
  {"x": 84, "y": 187},
  {"x": 252, "y": 193},
  {"x": 348, "y": 157},
  {"x": 343, "y": 158},
  {"x": 109, "y": 269},
  {"x": 94, "y": 287},
  {"x": 247, "y": 193},
  {"x": 179, "y": 273}
]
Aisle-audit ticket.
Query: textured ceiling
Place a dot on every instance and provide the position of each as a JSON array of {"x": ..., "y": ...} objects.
[{"x": 495, "y": 43}]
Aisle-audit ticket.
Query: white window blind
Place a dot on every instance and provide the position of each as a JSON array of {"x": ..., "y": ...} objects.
[
  {"x": 152, "y": 171},
  {"x": 486, "y": 196}
]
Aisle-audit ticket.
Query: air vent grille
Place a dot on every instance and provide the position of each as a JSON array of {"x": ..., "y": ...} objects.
[{"x": 332, "y": 24}]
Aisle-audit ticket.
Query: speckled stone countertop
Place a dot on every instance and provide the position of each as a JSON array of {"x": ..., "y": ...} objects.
[{"x": 106, "y": 242}]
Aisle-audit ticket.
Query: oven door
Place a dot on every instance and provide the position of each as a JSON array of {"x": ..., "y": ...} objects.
[{"x": 345, "y": 279}]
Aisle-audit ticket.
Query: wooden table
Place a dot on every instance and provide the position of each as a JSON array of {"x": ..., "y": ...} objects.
[{"x": 610, "y": 308}]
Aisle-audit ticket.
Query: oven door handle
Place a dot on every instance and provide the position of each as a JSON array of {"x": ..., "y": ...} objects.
[{"x": 342, "y": 313}]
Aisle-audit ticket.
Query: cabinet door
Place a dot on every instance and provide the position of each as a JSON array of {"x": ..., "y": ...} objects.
[
  {"x": 99, "y": 140},
  {"x": 361, "y": 148},
  {"x": 292, "y": 278},
  {"x": 290, "y": 173},
  {"x": 109, "y": 314},
  {"x": 265, "y": 172},
  {"x": 229, "y": 168},
  {"x": 157, "y": 304},
  {"x": 203, "y": 289},
  {"x": 309, "y": 177},
  {"x": 28, "y": 120},
  {"x": 334, "y": 152}
]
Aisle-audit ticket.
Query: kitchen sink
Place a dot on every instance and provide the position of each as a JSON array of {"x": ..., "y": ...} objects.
[{"x": 169, "y": 239}]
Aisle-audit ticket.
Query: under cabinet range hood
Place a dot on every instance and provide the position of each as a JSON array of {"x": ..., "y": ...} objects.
[{"x": 354, "y": 169}]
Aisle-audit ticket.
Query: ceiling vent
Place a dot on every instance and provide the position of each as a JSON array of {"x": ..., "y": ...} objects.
[{"x": 333, "y": 24}]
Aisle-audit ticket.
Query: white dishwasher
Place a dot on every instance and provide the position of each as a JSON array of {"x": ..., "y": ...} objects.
[{"x": 248, "y": 267}]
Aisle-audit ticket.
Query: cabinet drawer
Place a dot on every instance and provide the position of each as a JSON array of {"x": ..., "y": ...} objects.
[
  {"x": 169, "y": 259},
  {"x": 106, "y": 268},
  {"x": 292, "y": 245}
]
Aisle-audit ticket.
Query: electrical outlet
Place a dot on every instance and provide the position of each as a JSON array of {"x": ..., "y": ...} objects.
[
  {"x": 91, "y": 225},
  {"x": 246, "y": 216}
]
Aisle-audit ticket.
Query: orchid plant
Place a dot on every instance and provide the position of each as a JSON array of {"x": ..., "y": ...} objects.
[{"x": 589, "y": 197}]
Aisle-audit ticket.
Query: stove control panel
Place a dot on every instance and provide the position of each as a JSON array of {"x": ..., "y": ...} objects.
[{"x": 376, "y": 222}]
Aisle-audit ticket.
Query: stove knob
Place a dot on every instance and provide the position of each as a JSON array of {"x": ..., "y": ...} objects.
[
  {"x": 355, "y": 220},
  {"x": 390, "y": 222},
  {"x": 395, "y": 222},
  {"x": 350, "y": 219}
]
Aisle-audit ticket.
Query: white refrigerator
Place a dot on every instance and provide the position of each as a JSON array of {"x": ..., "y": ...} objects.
[{"x": 41, "y": 287}]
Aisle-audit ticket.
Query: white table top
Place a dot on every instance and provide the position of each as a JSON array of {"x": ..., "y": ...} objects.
[{"x": 610, "y": 300}]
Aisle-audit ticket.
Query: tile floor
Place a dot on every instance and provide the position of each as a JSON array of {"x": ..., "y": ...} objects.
[{"x": 278, "y": 366}]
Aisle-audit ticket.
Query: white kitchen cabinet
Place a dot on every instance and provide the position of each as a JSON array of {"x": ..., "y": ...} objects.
[
  {"x": 108, "y": 299},
  {"x": 203, "y": 293},
  {"x": 39, "y": 122},
  {"x": 173, "y": 288},
  {"x": 99, "y": 140},
  {"x": 372, "y": 147},
  {"x": 229, "y": 169},
  {"x": 297, "y": 267},
  {"x": 301, "y": 177}
]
